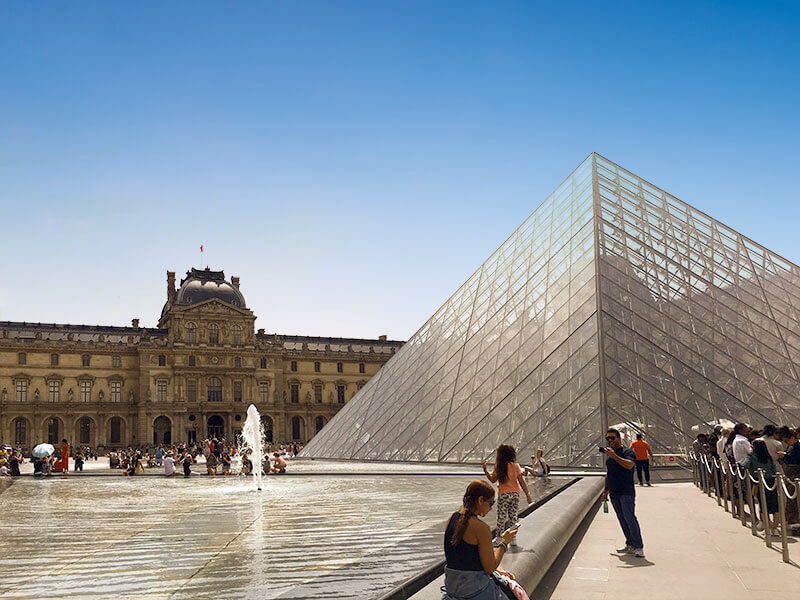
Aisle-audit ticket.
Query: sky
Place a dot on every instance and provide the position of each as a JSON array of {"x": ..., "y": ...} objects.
[{"x": 354, "y": 162}]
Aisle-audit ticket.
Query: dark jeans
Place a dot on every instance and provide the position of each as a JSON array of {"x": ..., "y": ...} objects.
[
  {"x": 643, "y": 465},
  {"x": 625, "y": 506}
]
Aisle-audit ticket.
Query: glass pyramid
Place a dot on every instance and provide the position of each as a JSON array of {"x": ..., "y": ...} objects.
[{"x": 613, "y": 304}]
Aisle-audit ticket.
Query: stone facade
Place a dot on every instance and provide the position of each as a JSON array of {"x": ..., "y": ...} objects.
[{"x": 192, "y": 376}]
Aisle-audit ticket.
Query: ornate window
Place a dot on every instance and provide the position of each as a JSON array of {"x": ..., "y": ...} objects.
[
  {"x": 191, "y": 333},
  {"x": 361, "y": 367},
  {"x": 340, "y": 394},
  {"x": 162, "y": 360},
  {"x": 22, "y": 390},
  {"x": 191, "y": 389},
  {"x": 192, "y": 361},
  {"x": 213, "y": 334},
  {"x": 318, "y": 393},
  {"x": 237, "y": 391},
  {"x": 294, "y": 390},
  {"x": 263, "y": 391},
  {"x": 116, "y": 361},
  {"x": 316, "y": 367},
  {"x": 22, "y": 358},
  {"x": 86, "y": 360},
  {"x": 214, "y": 389},
  {"x": 116, "y": 391},
  {"x": 53, "y": 390},
  {"x": 54, "y": 360},
  {"x": 161, "y": 390},
  {"x": 236, "y": 335},
  {"x": 237, "y": 362},
  {"x": 296, "y": 426},
  {"x": 339, "y": 367},
  {"x": 86, "y": 391},
  {"x": 319, "y": 423},
  {"x": 263, "y": 363},
  {"x": 293, "y": 365}
]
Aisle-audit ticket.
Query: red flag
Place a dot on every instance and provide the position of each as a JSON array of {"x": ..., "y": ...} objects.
[{"x": 201, "y": 248}]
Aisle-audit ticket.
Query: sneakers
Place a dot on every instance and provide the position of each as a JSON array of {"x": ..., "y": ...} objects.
[
  {"x": 623, "y": 549},
  {"x": 649, "y": 484},
  {"x": 639, "y": 553},
  {"x": 760, "y": 526}
]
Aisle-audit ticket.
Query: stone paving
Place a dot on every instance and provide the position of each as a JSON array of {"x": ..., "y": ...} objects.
[{"x": 694, "y": 549}]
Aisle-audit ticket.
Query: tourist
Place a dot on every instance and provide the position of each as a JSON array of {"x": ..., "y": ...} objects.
[
  {"x": 62, "y": 464},
  {"x": 159, "y": 454},
  {"x": 508, "y": 475},
  {"x": 279, "y": 465},
  {"x": 247, "y": 464},
  {"x": 740, "y": 445},
  {"x": 791, "y": 469},
  {"x": 134, "y": 466},
  {"x": 211, "y": 464},
  {"x": 4, "y": 470},
  {"x": 14, "y": 462},
  {"x": 643, "y": 456},
  {"x": 538, "y": 468},
  {"x": 620, "y": 487},
  {"x": 169, "y": 465},
  {"x": 226, "y": 463},
  {"x": 78, "y": 461},
  {"x": 761, "y": 459},
  {"x": 470, "y": 558},
  {"x": 186, "y": 461},
  {"x": 725, "y": 432},
  {"x": 771, "y": 436}
]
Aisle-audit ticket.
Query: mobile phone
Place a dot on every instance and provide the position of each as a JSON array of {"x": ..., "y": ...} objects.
[
  {"x": 601, "y": 449},
  {"x": 516, "y": 525}
]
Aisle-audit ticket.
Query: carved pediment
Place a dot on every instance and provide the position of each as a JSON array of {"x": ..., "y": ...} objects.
[{"x": 212, "y": 306}]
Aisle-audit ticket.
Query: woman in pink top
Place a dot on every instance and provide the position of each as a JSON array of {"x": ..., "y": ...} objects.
[{"x": 508, "y": 474}]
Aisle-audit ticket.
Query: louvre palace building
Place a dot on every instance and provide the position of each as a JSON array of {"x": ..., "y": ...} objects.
[{"x": 191, "y": 378}]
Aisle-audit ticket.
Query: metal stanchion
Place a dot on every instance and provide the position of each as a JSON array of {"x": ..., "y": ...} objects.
[
  {"x": 717, "y": 477},
  {"x": 725, "y": 497},
  {"x": 694, "y": 468},
  {"x": 749, "y": 481},
  {"x": 762, "y": 499},
  {"x": 780, "y": 487},
  {"x": 744, "y": 482}
]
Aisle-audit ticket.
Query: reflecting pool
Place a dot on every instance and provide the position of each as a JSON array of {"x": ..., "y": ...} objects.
[{"x": 310, "y": 534}]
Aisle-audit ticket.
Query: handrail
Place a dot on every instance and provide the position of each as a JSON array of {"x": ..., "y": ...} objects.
[{"x": 749, "y": 485}]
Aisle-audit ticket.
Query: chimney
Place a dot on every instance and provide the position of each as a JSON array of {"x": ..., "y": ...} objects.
[
  {"x": 135, "y": 323},
  {"x": 381, "y": 338},
  {"x": 235, "y": 282},
  {"x": 170, "y": 287}
]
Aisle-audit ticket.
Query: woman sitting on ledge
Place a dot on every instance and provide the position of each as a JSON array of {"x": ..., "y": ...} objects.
[{"x": 471, "y": 560}]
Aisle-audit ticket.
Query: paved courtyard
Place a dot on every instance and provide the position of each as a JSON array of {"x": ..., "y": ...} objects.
[{"x": 694, "y": 550}]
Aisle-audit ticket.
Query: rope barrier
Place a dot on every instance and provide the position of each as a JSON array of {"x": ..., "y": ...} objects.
[{"x": 793, "y": 495}]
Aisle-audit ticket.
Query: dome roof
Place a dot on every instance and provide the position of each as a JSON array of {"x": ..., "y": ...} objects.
[{"x": 201, "y": 285}]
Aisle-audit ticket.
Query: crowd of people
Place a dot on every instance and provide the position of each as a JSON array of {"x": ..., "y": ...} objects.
[
  {"x": 216, "y": 456},
  {"x": 771, "y": 449}
]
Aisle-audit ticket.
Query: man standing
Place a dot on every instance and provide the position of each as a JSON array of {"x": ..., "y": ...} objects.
[
  {"x": 643, "y": 456},
  {"x": 619, "y": 485}
]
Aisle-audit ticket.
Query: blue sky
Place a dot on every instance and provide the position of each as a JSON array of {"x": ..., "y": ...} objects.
[{"x": 354, "y": 162}]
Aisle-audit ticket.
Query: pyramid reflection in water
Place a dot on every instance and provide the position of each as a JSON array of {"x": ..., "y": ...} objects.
[{"x": 613, "y": 303}]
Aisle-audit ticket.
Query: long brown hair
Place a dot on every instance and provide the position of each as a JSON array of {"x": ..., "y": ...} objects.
[
  {"x": 475, "y": 490},
  {"x": 505, "y": 455}
]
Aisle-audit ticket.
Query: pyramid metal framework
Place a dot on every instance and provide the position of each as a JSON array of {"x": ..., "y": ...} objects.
[{"x": 614, "y": 303}]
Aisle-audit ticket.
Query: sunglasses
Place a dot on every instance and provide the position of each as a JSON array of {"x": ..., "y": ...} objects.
[
  {"x": 610, "y": 438},
  {"x": 491, "y": 503}
]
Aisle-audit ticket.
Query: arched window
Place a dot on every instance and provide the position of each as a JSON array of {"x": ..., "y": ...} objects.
[
  {"x": 86, "y": 360},
  {"x": 236, "y": 335},
  {"x": 319, "y": 423},
  {"x": 85, "y": 430},
  {"x": 116, "y": 430},
  {"x": 191, "y": 333},
  {"x": 162, "y": 430},
  {"x": 297, "y": 428},
  {"x": 267, "y": 423},
  {"x": 216, "y": 427},
  {"x": 53, "y": 431},
  {"x": 20, "y": 432},
  {"x": 214, "y": 389},
  {"x": 213, "y": 334}
]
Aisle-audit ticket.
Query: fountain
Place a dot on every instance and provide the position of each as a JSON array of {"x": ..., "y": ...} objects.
[{"x": 253, "y": 441}]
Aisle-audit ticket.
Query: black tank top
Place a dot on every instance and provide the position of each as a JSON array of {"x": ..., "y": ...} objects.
[{"x": 462, "y": 556}]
